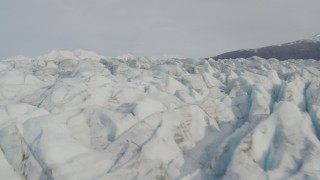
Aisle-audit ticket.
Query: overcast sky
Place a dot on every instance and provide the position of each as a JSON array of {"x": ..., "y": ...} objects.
[{"x": 189, "y": 28}]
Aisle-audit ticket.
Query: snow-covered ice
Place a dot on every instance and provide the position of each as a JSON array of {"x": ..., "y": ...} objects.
[{"x": 78, "y": 115}]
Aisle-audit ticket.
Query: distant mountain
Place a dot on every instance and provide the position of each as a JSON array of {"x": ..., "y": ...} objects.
[{"x": 302, "y": 49}]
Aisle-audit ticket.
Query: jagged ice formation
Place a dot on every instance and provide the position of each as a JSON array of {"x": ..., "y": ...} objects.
[{"x": 78, "y": 115}]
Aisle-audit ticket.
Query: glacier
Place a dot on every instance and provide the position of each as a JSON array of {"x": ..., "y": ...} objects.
[{"x": 78, "y": 115}]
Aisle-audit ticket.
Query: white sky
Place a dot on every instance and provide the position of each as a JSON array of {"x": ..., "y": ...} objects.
[{"x": 189, "y": 28}]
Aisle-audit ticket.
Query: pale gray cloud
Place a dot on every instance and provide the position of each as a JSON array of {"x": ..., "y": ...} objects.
[{"x": 193, "y": 28}]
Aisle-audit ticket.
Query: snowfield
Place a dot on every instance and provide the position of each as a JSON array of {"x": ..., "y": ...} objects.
[{"x": 79, "y": 116}]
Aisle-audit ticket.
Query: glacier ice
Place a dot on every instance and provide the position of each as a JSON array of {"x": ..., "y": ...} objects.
[{"x": 79, "y": 115}]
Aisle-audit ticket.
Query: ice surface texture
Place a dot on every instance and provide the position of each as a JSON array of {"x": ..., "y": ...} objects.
[{"x": 78, "y": 115}]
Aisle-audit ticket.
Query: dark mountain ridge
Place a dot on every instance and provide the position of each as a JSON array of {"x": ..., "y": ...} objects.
[{"x": 302, "y": 49}]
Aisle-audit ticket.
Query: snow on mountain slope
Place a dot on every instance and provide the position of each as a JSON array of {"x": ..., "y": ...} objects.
[{"x": 78, "y": 115}]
